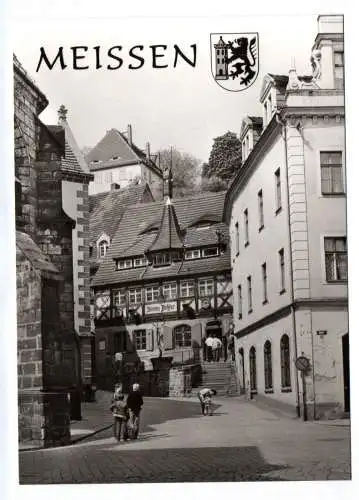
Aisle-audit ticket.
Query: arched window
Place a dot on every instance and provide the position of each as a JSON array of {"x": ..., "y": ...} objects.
[
  {"x": 183, "y": 336},
  {"x": 103, "y": 247},
  {"x": 268, "y": 377},
  {"x": 285, "y": 362},
  {"x": 252, "y": 370}
]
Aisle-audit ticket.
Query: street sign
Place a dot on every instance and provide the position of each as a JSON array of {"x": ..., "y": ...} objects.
[{"x": 302, "y": 364}]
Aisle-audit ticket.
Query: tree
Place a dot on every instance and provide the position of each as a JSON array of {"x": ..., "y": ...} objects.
[
  {"x": 225, "y": 157},
  {"x": 213, "y": 184},
  {"x": 185, "y": 170}
]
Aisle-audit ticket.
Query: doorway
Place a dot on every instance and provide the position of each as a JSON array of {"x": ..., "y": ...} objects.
[{"x": 346, "y": 374}]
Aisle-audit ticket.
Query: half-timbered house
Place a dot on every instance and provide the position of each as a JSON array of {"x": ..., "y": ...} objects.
[{"x": 164, "y": 284}]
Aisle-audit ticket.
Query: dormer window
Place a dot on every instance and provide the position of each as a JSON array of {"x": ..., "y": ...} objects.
[
  {"x": 102, "y": 248},
  {"x": 192, "y": 254},
  {"x": 123, "y": 264},
  {"x": 140, "y": 262},
  {"x": 210, "y": 252}
]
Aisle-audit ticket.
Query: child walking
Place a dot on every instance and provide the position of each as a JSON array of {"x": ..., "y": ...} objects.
[{"x": 120, "y": 414}]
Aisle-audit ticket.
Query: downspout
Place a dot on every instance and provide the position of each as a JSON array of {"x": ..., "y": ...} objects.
[{"x": 292, "y": 308}]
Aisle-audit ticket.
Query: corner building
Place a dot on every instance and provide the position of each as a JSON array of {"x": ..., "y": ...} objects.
[{"x": 287, "y": 213}]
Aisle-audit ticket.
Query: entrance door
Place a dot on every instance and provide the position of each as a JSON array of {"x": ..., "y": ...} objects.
[{"x": 346, "y": 377}]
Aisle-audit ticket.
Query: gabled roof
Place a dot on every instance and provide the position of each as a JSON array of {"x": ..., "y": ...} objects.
[
  {"x": 107, "y": 209},
  {"x": 35, "y": 255},
  {"x": 130, "y": 239},
  {"x": 115, "y": 150},
  {"x": 168, "y": 236}
]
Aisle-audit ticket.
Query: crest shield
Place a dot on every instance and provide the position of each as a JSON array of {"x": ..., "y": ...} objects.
[{"x": 235, "y": 59}]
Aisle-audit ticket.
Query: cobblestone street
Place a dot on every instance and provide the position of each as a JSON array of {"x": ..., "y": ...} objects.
[{"x": 240, "y": 442}]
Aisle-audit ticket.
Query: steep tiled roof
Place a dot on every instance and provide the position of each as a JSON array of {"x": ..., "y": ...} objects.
[
  {"x": 168, "y": 235},
  {"x": 36, "y": 256},
  {"x": 115, "y": 150},
  {"x": 131, "y": 239},
  {"x": 107, "y": 209}
]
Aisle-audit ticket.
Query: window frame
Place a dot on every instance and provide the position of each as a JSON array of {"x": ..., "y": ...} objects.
[
  {"x": 281, "y": 271},
  {"x": 137, "y": 291},
  {"x": 143, "y": 262},
  {"x": 187, "y": 252},
  {"x": 260, "y": 210},
  {"x": 239, "y": 301},
  {"x": 278, "y": 190},
  {"x": 236, "y": 228},
  {"x": 250, "y": 292},
  {"x": 122, "y": 264},
  {"x": 285, "y": 378},
  {"x": 205, "y": 287},
  {"x": 142, "y": 339},
  {"x": 264, "y": 283},
  {"x": 268, "y": 367},
  {"x": 335, "y": 254},
  {"x": 190, "y": 285},
  {"x": 103, "y": 244},
  {"x": 154, "y": 292},
  {"x": 330, "y": 167},
  {"x": 208, "y": 249},
  {"x": 171, "y": 285},
  {"x": 181, "y": 331},
  {"x": 246, "y": 227}
]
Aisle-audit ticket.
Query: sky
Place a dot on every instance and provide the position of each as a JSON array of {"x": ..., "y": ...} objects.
[{"x": 181, "y": 107}]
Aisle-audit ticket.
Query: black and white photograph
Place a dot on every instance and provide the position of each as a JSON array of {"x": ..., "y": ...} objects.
[{"x": 179, "y": 211}]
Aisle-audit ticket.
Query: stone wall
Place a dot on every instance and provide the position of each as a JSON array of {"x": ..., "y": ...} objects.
[
  {"x": 44, "y": 418},
  {"x": 29, "y": 342},
  {"x": 184, "y": 379}
]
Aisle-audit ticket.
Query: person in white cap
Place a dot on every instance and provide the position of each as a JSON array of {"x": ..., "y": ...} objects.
[{"x": 134, "y": 404}]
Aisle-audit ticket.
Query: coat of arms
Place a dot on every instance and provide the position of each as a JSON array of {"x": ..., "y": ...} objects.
[{"x": 234, "y": 59}]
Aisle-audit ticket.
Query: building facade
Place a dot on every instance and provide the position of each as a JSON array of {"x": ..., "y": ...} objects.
[
  {"x": 164, "y": 284},
  {"x": 50, "y": 193},
  {"x": 287, "y": 213},
  {"x": 116, "y": 160}
]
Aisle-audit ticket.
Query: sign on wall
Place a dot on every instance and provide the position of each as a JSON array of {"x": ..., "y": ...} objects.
[{"x": 166, "y": 307}]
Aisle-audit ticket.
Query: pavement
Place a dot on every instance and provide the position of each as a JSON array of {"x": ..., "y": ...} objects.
[{"x": 240, "y": 442}]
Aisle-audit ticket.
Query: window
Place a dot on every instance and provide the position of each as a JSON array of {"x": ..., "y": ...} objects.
[
  {"x": 18, "y": 206},
  {"x": 281, "y": 270},
  {"x": 169, "y": 291},
  {"x": 119, "y": 301},
  {"x": 90, "y": 251},
  {"x": 187, "y": 288},
  {"x": 103, "y": 247},
  {"x": 264, "y": 282},
  {"x": 210, "y": 252},
  {"x": 124, "y": 264},
  {"x": 336, "y": 263},
  {"x": 249, "y": 289},
  {"x": 152, "y": 293},
  {"x": 192, "y": 254},
  {"x": 278, "y": 194},
  {"x": 139, "y": 338},
  {"x": 246, "y": 232},
  {"x": 252, "y": 370},
  {"x": 237, "y": 238},
  {"x": 183, "y": 336},
  {"x": 139, "y": 262},
  {"x": 162, "y": 259},
  {"x": 285, "y": 362},
  {"x": 205, "y": 287},
  {"x": 135, "y": 295},
  {"x": 331, "y": 171},
  {"x": 339, "y": 70},
  {"x": 268, "y": 374},
  {"x": 260, "y": 210},
  {"x": 240, "y": 306}
]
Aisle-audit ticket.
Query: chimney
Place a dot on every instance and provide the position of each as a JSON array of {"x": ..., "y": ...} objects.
[
  {"x": 148, "y": 151},
  {"x": 129, "y": 134},
  {"x": 167, "y": 180}
]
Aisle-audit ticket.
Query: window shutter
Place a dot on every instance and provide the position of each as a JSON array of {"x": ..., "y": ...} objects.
[
  {"x": 168, "y": 337},
  {"x": 196, "y": 334},
  {"x": 149, "y": 340}
]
